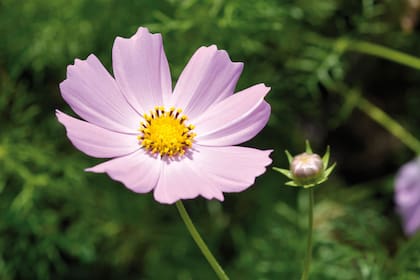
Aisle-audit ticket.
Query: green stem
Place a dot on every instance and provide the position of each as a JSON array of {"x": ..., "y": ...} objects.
[
  {"x": 381, "y": 51},
  {"x": 390, "y": 124},
  {"x": 308, "y": 256},
  {"x": 199, "y": 241},
  {"x": 380, "y": 117},
  {"x": 370, "y": 109}
]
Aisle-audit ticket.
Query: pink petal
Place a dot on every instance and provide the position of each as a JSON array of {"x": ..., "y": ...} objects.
[
  {"x": 141, "y": 70},
  {"x": 233, "y": 168},
  {"x": 234, "y": 120},
  {"x": 183, "y": 180},
  {"x": 407, "y": 185},
  {"x": 407, "y": 195},
  {"x": 411, "y": 218},
  {"x": 138, "y": 171},
  {"x": 93, "y": 94},
  {"x": 412, "y": 223},
  {"x": 96, "y": 141},
  {"x": 209, "y": 77}
]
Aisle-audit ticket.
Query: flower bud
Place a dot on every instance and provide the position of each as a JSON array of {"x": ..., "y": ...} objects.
[{"x": 306, "y": 168}]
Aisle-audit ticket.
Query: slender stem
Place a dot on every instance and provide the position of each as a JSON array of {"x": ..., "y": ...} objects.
[
  {"x": 382, "y": 118},
  {"x": 199, "y": 241},
  {"x": 363, "y": 104},
  {"x": 390, "y": 124},
  {"x": 383, "y": 52},
  {"x": 308, "y": 256}
]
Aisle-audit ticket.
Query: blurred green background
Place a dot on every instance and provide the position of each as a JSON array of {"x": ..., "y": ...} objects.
[{"x": 58, "y": 222}]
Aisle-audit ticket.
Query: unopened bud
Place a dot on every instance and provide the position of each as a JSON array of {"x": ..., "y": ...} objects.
[{"x": 307, "y": 168}]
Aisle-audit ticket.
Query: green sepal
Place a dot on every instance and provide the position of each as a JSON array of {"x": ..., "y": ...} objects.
[
  {"x": 285, "y": 172},
  {"x": 289, "y": 156},
  {"x": 324, "y": 178},
  {"x": 292, "y": 184},
  {"x": 326, "y": 157},
  {"x": 329, "y": 170},
  {"x": 308, "y": 148},
  {"x": 312, "y": 185},
  {"x": 315, "y": 184}
]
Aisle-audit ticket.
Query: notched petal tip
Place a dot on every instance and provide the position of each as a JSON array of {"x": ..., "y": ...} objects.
[
  {"x": 141, "y": 31},
  {"x": 269, "y": 159},
  {"x": 212, "y": 48},
  {"x": 166, "y": 198},
  {"x": 237, "y": 64},
  {"x": 60, "y": 116},
  {"x": 93, "y": 169},
  {"x": 260, "y": 89},
  {"x": 71, "y": 68},
  {"x": 172, "y": 200},
  {"x": 221, "y": 52},
  {"x": 76, "y": 63},
  {"x": 266, "y": 89}
]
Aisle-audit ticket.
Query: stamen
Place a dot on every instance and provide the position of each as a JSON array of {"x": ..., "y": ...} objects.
[{"x": 165, "y": 132}]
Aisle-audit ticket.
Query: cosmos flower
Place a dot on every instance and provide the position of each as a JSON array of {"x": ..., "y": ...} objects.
[
  {"x": 407, "y": 195},
  {"x": 179, "y": 143}
]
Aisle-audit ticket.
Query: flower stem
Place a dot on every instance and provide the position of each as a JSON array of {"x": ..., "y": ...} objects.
[
  {"x": 378, "y": 115},
  {"x": 390, "y": 124},
  {"x": 370, "y": 109},
  {"x": 199, "y": 241},
  {"x": 308, "y": 256},
  {"x": 384, "y": 52}
]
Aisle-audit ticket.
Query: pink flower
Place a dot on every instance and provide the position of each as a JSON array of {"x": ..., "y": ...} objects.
[
  {"x": 178, "y": 143},
  {"x": 407, "y": 196}
]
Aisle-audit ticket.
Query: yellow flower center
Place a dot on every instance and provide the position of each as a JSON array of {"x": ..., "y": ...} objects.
[{"x": 165, "y": 132}]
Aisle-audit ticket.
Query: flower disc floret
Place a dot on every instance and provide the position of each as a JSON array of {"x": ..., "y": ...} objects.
[{"x": 165, "y": 132}]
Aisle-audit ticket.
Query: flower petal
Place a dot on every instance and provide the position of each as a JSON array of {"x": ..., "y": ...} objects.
[
  {"x": 235, "y": 119},
  {"x": 138, "y": 171},
  {"x": 94, "y": 95},
  {"x": 96, "y": 141},
  {"x": 407, "y": 185},
  {"x": 233, "y": 168},
  {"x": 407, "y": 195},
  {"x": 411, "y": 218},
  {"x": 183, "y": 180},
  {"x": 141, "y": 70},
  {"x": 209, "y": 77}
]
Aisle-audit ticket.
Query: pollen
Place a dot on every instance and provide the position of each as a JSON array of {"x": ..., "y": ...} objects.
[{"x": 165, "y": 132}]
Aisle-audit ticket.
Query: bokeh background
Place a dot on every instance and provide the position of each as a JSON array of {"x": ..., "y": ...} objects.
[{"x": 58, "y": 222}]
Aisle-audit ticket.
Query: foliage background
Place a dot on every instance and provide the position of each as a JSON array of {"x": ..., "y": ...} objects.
[{"x": 58, "y": 222}]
